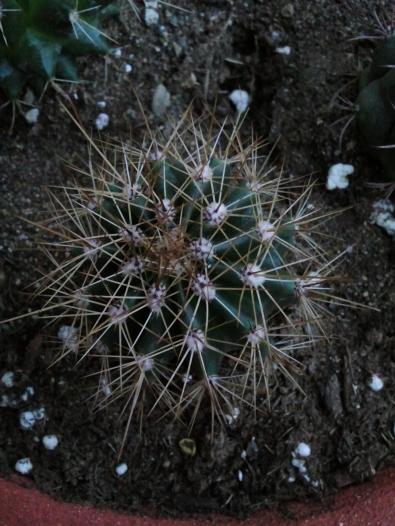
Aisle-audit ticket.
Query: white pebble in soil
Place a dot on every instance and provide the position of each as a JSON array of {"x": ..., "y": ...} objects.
[
  {"x": 27, "y": 393},
  {"x": 27, "y": 419},
  {"x": 128, "y": 68},
  {"x": 161, "y": 100},
  {"x": 382, "y": 215},
  {"x": 300, "y": 454},
  {"x": 283, "y": 50},
  {"x": 50, "y": 442},
  {"x": 338, "y": 176},
  {"x": 121, "y": 469},
  {"x": 8, "y": 379},
  {"x": 303, "y": 450},
  {"x": 151, "y": 15},
  {"x": 32, "y": 116},
  {"x": 376, "y": 383},
  {"x": 241, "y": 100},
  {"x": 24, "y": 466},
  {"x": 102, "y": 121}
]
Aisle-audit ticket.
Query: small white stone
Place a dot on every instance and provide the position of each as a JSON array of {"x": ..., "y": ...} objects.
[
  {"x": 243, "y": 454},
  {"x": 50, "y": 442},
  {"x": 27, "y": 419},
  {"x": 283, "y": 50},
  {"x": 299, "y": 465},
  {"x": 27, "y": 393},
  {"x": 382, "y": 215},
  {"x": 128, "y": 68},
  {"x": 121, "y": 469},
  {"x": 240, "y": 475},
  {"x": 160, "y": 100},
  {"x": 101, "y": 104},
  {"x": 241, "y": 99},
  {"x": 376, "y": 383},
  {"x": 151, "y": 17},
  {"x": 291, "y": 479},
  {"x": 303, "y": 450},
  {"x": 102, "y": 121},
  {"x": 338, "y": 176},
  {"x": 8, "y": 379},
  {"x": 24, "y": 466},
  {"x": 275, "y": 36},
  {"x": 32, "y": 115},
  {"x": 117, "y": 52}
]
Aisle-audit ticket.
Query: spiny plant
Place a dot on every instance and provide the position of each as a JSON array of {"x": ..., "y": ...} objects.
[
  {"x": 40, "y": 39},
  {"x": 186, "y": 270},
  {"x": 376, "y": 103}
]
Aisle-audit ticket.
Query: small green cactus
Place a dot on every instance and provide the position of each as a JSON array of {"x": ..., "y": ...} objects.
[
  {"x": 376, "y": 105},
  {"x": 187, "y": 269},
  {"x": 39, "y": 40}
]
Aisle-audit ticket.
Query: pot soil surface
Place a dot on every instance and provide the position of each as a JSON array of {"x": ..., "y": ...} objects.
[{"x": 203, "y": 54}]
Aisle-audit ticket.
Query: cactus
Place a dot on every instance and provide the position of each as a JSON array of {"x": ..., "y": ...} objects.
[
  {"x": 39, "y": 40},
  {"x": 376, "y": 105},
  {"x": 187, "y": 269}
]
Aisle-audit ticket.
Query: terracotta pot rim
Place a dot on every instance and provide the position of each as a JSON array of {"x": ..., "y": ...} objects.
[{"x": 368, "y": 503}]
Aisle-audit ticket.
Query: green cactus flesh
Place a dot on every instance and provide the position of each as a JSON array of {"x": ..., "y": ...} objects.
[
  {"x": 376, "y": 106},
  {"x": 181, "y": 273},
  {"x": 39, "y": 40}
]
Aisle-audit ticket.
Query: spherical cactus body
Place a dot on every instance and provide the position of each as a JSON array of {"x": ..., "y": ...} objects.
[{"x": 188, "y": 271}]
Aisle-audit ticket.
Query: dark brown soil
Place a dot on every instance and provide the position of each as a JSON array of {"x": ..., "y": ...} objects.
[{"x": 221, "y": 46}]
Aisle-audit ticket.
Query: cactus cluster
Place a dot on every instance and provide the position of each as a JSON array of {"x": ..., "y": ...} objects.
[
  {"x": 39, "y": 40},
  {"x": 186, "y": 269},
  {"x": 376, "y": 105}
]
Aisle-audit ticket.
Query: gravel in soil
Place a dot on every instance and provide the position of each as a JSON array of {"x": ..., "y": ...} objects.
[{"x": 201, "y": 55}]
